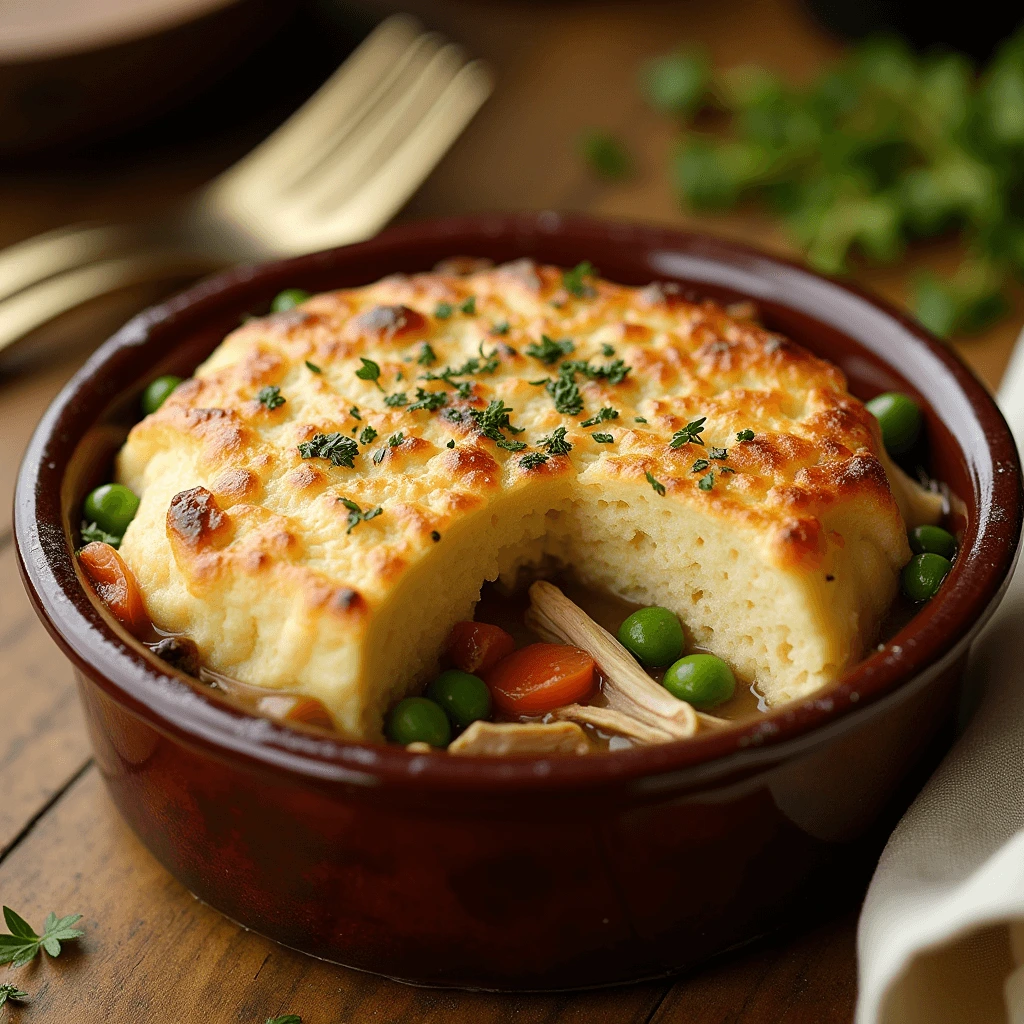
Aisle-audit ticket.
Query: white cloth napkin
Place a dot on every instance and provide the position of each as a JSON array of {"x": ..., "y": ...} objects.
[{"x": 941, "y": 934}]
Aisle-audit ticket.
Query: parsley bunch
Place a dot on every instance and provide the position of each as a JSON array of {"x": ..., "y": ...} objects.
[{"x": 883, "y": 148}]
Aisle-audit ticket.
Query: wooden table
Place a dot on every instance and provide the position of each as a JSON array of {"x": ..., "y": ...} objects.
[{"x": 153, "y": 953}]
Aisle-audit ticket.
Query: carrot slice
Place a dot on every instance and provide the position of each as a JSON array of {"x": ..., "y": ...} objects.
[
  {"x": 116, "y": 585},
  {"x": 540, "y": 678},
  {"x": 478, "y": 646}
]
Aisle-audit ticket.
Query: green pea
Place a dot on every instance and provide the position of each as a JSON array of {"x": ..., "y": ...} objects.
[
  {"x": 418, "y": 720},
  {"x": 701, "y": 680},
  {"x": 923, "y": 575},
  {"x": 157, "y": 391},
  {"x": 463, "y": 696},
  {"x": 900, "y": 420},
  {"x": 932, "y": 539},
  {"x": 111, "y": 507},
  {"x": 288, "y": 299},
  {"x": 653, "y": 635}
]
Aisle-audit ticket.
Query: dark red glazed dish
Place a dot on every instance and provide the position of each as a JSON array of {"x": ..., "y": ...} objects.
[{"x": 524, "y": 873}]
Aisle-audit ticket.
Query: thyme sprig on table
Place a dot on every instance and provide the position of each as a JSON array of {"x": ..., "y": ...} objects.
[
  {"x": 8, "y": 991},
  {"x": 22, "y": 945}
]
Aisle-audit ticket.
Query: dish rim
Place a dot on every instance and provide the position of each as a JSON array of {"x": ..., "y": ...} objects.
[{"x": 156, "y": 693}]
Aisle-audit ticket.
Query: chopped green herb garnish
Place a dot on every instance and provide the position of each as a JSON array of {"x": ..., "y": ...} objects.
[
  {"x": 726, "y": 469},
  {"x": 271, "y": 396},
  {"x": 484, "y": 364},
  {"x": 566, "y": 395},
  {"x": 555, "y": 443},
  {"x": 469, "y": 306},
  {"x": 607, "y": 350},
  {"x": 288, "y": 1018},
  {"x": 399, "y": 375},
  {"x": 435, "y": 536},
  {"x": 22, "y": 945},
  {"x": 705, "y": 483},
  {"x": 533, "y": 460},
  {"x": 444, "y": 310},
  {"x": 91, "y": 533},
  {"x": 396, "y": 439},
  {"x": 354, "y": 412},
  {"x": 493, "y": 420},
  {"x": 427, "y": 356},
  {"x": 745, "y": 435},
  {"x": 549, "y": 351},
  {"x": 368, "y": 436},
  {"x": 603, "y": 438},
  {"x": 718, "y": 453},
  {"x": 502, "y": 327},
  {"x": 369, "y": 371},
  {"x": 690, "y": 434},
  {"x": 699, "y": 466},
  {"x": 313, "y": 367},
  {"x": 614, "y": 373},
  {"x": 11, "y": 992},
  {"x": 356, "y": 515},
  {"x": 339, "y": 449},
  {"x": 378, "y": 456},
  {"x": 574, "y": 281},
  {"x": 657, "y": 485},
  {"x": 451, "y": 443},
  {"x": 429, "y": 400},
  {"x": 639, "y": 419},
  {"x": 605, "y": 414},
  {"x": 395, "y": 400},
  {"x": 453, "y": 415}
]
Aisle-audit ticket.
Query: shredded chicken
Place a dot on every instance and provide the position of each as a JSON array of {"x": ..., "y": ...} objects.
[
  {"x": 628, "y": 687},
  {"x": 497, "y": 739},
  {"x": 610, "y": 720}
]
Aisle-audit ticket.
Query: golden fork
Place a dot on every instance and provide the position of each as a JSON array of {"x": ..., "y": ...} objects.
[{"x": 334, "y": 173}]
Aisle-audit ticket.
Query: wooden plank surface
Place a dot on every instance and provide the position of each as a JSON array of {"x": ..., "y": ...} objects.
[{"x": 153, "y": 953}]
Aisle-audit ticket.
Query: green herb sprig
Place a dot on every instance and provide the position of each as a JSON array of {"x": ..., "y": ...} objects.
[
  {"x": 555, "y": 442},
  {"x": 340, "y": 450},
  {"x": 369, "y": 371},
  {"x": 431, "y": 401},
  {"x": 690, "y": 434},
  {"x": 493, "y": 421},
  {"x": 575, "y": 281},
  {"x": 549, "y": 351},
  {"x": 23, "y": 944},
  {"x": 8, "y": 991},
  {"x": 602, "y": 416},
  {"x": 356, "y": 515},
  {"x": 271, "y": 397},
  {"x": 659, "y": 487}
]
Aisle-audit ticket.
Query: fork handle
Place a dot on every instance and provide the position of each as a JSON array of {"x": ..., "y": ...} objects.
[
  {"x": 35, "y": 306},
  {"x": 35, "y": 259}
]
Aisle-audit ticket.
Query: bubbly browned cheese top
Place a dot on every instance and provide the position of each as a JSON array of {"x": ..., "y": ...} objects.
[{"x": 240, "y": 487}]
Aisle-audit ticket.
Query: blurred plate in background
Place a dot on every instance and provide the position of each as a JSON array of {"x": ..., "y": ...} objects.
[{"x": 76, "y": 70}]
